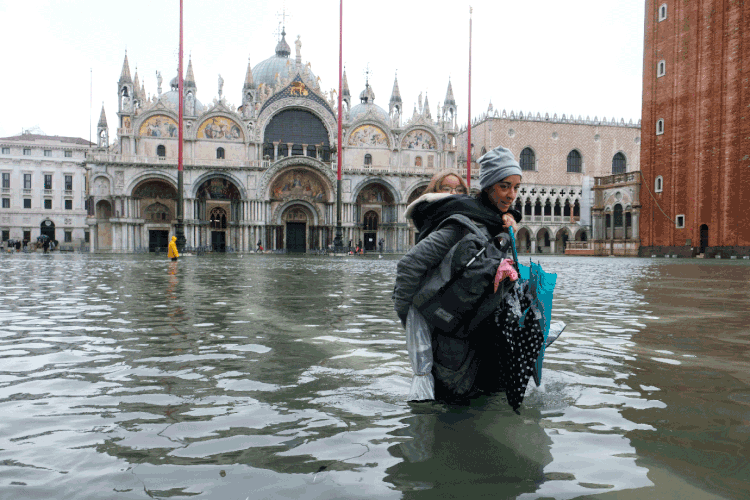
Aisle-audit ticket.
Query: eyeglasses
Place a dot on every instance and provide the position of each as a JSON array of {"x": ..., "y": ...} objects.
[{"x": 452, "y": 190}]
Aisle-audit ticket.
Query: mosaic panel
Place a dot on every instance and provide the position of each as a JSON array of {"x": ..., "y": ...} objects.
[
  {"x": 419, "y": 139},
  {"x": 159, "y": 126},
  {"x": 219, "y": 127},
  {"x": 296, "y": 184},
  {"x": 368, "y": 135}
]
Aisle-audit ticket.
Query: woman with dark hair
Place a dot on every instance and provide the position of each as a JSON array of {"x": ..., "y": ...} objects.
[{"x": 462, "y": 365}]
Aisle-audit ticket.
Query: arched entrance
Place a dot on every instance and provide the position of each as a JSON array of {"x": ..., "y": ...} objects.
[
  {"x": 48, "y": 229},
  {"x": 156, "y": 200},
  {"x": 542, "y": 241},
  {"x": 103, "y": 226},
  {"x": 704, "y": 238},
  {"x": 375, "y": 208},
  {"x": 296, "y": 219},
  {"x": 561, "y": 240},
  {"x": 217, "y": 205},
  {"x": 523, "y": 241}
]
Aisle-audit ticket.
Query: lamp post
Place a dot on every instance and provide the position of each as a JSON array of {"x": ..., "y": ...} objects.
[
  {"x": 468, "y": 145},
  {"x": 338, "y": 242},
  {"x": 179, "y": 228}
]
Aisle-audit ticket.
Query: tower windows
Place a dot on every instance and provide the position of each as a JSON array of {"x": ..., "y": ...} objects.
[
  {"x": 661, "y": 68},
  {"x": 161, "y": 151},
  {"x": 659, "y": 184},
  {"x": 219, "y": 153},
  {"x": 618, "y": 164},
  {"x": 574, "y": 162},
  {"x": 662, "y": 12},
  {"x": 528, "y": 159},
  {"x": 660, "y": 126},
  {"x": 368, "y": 160}
]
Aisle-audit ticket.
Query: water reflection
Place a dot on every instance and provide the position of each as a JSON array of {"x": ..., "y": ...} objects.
[{"x": 285, "y": 377}]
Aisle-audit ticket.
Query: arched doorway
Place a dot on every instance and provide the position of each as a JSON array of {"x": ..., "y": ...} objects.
[
  {"x": 523, "y": 241},
  {"x": 47, "y": 229},
  {"x": 296, "y": 220},
  {"x": 376, "y": 209},
  {"x": 218, "y": 204},
  {"x": 157, "y": 200},
  {"x": 542, "y": 241},
  {"x": 561, "y": 240},
  {"x": 704, "y": 238}
]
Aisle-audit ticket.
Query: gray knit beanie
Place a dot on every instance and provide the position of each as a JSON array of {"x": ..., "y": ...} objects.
[{"x": 496, "y": 165}]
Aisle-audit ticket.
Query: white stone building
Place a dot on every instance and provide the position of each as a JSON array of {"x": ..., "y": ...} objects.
[{"x": 43, "y": 189}]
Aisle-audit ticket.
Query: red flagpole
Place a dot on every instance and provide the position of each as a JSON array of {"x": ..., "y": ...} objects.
[
  {"x": 338, "y": 242},
  {"x": 468, "y": 145},
  {"x": 179, "y": 228}
]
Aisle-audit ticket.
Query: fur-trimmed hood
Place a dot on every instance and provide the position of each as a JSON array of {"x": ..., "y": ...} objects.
[{"x": 427, "y": 197}]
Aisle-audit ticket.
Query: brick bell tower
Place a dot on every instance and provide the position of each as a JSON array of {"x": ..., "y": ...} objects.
[{"x": 695, "y": 152}]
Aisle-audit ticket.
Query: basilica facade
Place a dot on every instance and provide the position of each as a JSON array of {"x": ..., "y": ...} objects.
[{"x": 265, "y": 172}]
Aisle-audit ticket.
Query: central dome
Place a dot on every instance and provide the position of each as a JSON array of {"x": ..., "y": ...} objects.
[
  {"x": 265, "y": 71},
  {"x": 367, "y": 105}
]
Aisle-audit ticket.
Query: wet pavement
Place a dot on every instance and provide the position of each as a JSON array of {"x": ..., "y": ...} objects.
[{"x": 260, "y": 376}]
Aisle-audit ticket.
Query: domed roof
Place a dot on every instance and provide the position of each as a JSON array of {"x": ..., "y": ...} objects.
[
  {"x": 367, "y": 104},
  {"x": 173, "y": 97},
  {"x": 265, "y": 71},
  {"x": 360, "y": 110}
]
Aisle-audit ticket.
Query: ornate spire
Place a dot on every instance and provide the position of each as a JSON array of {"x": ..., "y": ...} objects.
[
  {"x": 102, "y": 119},
  {"x": 449, "y": 99},
  {"x": 189, "y": 81},
  {"x": 125, "y": 74},
  {"x": 136, "y": 84},
  {"x": 426, "y": 111},
  {"x": 249, "y": 77},
  {"x": 282, "y": 48},
  {"x": 396, "y": 94},
  {"x": 345, "y": 91}
]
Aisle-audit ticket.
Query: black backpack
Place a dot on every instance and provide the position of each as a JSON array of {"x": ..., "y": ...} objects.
[{"x": 458, "y": 294}]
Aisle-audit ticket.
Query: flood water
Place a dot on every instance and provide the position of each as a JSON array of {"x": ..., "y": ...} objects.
[{"x": 285, "y": 377}]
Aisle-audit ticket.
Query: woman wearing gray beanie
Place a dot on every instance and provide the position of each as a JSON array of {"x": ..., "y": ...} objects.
[{"x": 457, "y": 367}]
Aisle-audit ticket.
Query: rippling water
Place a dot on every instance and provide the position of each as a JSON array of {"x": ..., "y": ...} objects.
[{"x": 284, "y": 377}]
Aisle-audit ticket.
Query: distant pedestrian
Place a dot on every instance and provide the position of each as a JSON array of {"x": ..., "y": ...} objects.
[
  {"x": 172, "y": 252},
  {"x": 259, "y": 248},
  {"x": 45, "y": 245},
  {"x": 350, "y": 245},
  {"x": 381, "y": 244}
]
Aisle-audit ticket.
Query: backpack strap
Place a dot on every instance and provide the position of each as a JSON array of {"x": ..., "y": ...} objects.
[{"x": 463, "y": 221}]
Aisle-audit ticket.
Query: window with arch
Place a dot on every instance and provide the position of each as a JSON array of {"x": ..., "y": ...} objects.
[
  {"x": 659, "y": 184},
  {"x": 218, "y": 218},
  {"x": 283, "y": 150},
  {"x": 617, "y": 215},
  {"x": 418, "y": 161},
  {"x": 219, "y": 153},
  {"x": 297, "y": 150},
  {"x": 538, "y": 208},
  {"x": 576, "y": 209},
  {"x": 311, "y": 151},
  {"x": 618, "y": 163},
  {"x": 518, "y": 206},
  {"x": 566, "y": 209},
  {"x": 662, "y": 12},
  {"x": 660, "y": 126},
  {"x": 661, "y": 68},
  {"x": 574, "y": 162},
  {"x": 607, "y": 221},
  {"x": 556, "y": 212},
  {"x": 161, "y": 151},
  {"x": 268, "y": 151},
  {"x": 527, "y": 208},
  {"x": 547, "y": 207},
  {"x": 371, "y": 221},
  {"x": 368, "y": 160},
  {"x": 527, "y": 159}
]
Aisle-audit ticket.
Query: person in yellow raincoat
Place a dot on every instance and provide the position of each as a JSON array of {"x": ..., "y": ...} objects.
[{"x": 172, "y": 252}]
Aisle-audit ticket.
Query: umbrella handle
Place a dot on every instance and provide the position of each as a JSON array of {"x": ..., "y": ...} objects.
[{"x": 513, "y": 246}]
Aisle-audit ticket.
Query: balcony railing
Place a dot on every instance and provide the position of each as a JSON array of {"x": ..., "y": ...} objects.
[
  {"x": 618, "y": 178},
  {"x": 188, "y": 162}
]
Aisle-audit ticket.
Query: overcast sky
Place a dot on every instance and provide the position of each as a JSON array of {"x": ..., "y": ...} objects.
[{"x": 581, "y": 57}]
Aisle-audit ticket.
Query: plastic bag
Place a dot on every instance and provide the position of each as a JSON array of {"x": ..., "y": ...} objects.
[{"x": 419, "y": 345}]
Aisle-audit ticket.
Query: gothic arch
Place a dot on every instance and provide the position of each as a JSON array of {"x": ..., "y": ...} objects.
[
  {"x": 149, "y": 175},
  {"x": 325, "y": 115},
  {"x": 198, "y": 182},
  {"x": 152, "y": 113},
  {"x": 264, "y": 183},
  {"x": 96, "y": 182},
  {"x": 276, "y": 218},
  {"x": 376, "y": 180}
]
